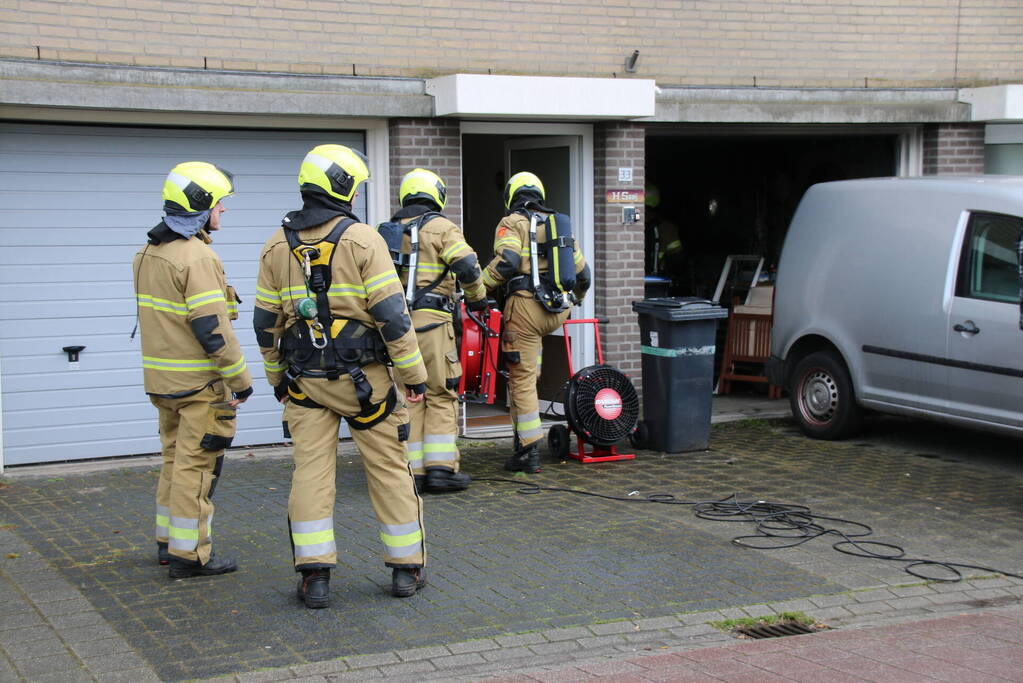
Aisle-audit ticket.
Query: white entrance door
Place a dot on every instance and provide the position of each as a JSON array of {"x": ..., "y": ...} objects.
[{"x": 559, "y": 162}]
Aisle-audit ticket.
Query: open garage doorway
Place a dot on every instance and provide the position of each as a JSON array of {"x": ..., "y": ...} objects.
[
  {"x": 726, "y": 197},
  {"x": 561, "y": 155},
  {"x": 734, "y": 193}
]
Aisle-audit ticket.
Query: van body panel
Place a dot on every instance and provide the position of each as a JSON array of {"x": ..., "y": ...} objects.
[{"x": 870, "y": 265}]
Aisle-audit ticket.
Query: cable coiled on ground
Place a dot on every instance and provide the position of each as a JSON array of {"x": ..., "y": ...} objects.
[{"x": 783, "y": 525}]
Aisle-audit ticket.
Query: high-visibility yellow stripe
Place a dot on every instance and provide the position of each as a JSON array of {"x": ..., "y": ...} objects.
[
  {"x": 177, "y": 365},
  {"x": 147, "y": 301},
  {"x": 204, "y": 298},
  {"x": 273, "y": 367},
  {"x": 578, "y": 256},
  {"x": 456, "y": 248},
  {"x": 403, "y": 540},
  {"x": 528, "y": 424},
  {"x": 409, "y": 360},
  {"x": 162, "y": 520},
  {"x": 313, "y": 537},
  {"x": 267, "y": 295},
  {"x": 233, "y": 369},
  {"x": 488, "y": 280},
  {"x": 184, "y": 534},
  {"x": 382, "y": 280}
]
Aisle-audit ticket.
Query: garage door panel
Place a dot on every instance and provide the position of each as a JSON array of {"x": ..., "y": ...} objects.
[{"x": 65, "y": 263}]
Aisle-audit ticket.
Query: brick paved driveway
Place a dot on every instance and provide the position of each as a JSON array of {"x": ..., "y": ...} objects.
[{"x": 502, "y": 562}]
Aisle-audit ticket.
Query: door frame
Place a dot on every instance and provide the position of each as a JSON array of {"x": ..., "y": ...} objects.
[{"x": 581, "y": 145}]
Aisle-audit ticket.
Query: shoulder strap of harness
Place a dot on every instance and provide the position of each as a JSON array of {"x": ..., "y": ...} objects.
[
  {"x": 319, "y": 281},
  {"x": 412, "y": 294}
]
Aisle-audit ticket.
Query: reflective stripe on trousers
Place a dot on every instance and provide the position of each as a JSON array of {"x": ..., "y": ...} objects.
[
  {"x": 183, "y": 533},
  {"x": 439, "y": 448},
  {"x": 402, "y": 540},
  {"x": 313, "y": 538},
  {"x": 162, "y": 521},
  {"x": 415, "y": 453},
  {"x": 527, "y": 426}
]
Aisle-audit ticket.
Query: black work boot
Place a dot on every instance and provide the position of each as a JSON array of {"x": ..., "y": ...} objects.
[
  {"x": 183, "y": 569},
  {"x": 405, "y": 582},
  {"x": 441, "y": 480},
  {"x": 163, "y": 555},
  {"x": 526, "y": 459},
  {"x": 314, "y": 588}
]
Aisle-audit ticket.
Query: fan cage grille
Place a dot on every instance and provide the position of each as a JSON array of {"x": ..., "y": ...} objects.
[{"x": 581, "y": 407}]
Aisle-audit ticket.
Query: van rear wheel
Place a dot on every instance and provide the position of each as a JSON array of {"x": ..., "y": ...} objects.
[{"x": 821, "y": 396}]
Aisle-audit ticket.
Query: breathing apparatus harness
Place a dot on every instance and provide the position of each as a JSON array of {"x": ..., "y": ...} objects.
[
  {"x": 422, "y": 297},
  {"x": 552, "y": 289},
  {"x": 322, "y": 345}
]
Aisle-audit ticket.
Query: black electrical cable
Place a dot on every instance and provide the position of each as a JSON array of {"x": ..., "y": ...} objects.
[{"x": 791, "y": 525}]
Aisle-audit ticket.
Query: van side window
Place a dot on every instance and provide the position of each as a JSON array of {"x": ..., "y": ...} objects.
[{"x": 989, "y": 265}]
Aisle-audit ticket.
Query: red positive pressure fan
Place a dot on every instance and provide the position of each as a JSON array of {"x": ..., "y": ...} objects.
[{"x": 601, "y": 407}]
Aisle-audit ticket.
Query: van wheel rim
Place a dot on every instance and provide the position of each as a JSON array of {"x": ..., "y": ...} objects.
[{"x": 818, "y": 397}]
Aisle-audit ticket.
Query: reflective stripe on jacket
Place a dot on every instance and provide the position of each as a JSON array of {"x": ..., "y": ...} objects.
[{"x": 184, "y": 308}]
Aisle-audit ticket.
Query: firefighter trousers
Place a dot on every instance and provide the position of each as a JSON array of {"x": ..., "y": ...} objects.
[
  {"x": 313, "y": 419},
  {"x": 524, "y": 324},
  {"x": 184, "y": 511},
  {"x": 434, "y": 423}
]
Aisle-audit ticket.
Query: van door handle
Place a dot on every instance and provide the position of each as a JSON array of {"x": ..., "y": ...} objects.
[{"x": 968, "y": 328}]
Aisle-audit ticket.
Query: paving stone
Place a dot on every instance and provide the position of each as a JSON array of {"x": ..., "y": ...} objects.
[
  {"x": 554, "y": 648},
  {"x": 406, "y": 668},
  {"x": 366, "y": 661},
  {"x": 52, "y": 663},
  {"x": 519, "y": 639},
  {"x": 95, "y": 648},
  {"x": 121, "y": 661},
  {"x": 566, "y": 633},
  {"x": 128, "y": 676},
  {"x": 31, "y": 649},
  {"x": 472, "y": 646},
  {"x": 614, "y": 627},
  {"x": 332, "y": 666},
  {"x": 423, "y": 653},
  {"x": 454, "y": 661}
]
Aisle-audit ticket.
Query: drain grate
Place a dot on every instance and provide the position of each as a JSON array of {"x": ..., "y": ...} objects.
[{"x": 791, "y": 628}]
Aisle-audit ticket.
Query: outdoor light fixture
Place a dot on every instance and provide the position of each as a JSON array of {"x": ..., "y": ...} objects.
[{"x": 630, "y": 62}]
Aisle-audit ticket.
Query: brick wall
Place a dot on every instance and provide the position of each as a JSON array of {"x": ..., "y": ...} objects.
[
  {"x": 433, "y": 144},
  {"x": 835, "y": 43},
  {"x": 618, "y": 252},
  {"x": 953, "y": 149}
]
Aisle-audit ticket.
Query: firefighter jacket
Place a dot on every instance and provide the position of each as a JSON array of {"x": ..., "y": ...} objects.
[
  {"x": 512, "y": 256},
  {"x": 442, "y": 251},
  {"x": 364, "y": 287},
  {"x": 185, "y": 308}
]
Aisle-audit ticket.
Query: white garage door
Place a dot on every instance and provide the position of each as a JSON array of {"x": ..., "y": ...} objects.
[{"x": 75, "y": 205}]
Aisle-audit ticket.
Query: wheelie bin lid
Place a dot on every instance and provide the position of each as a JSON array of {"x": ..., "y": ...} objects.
[{"x": 677, "y": 308}]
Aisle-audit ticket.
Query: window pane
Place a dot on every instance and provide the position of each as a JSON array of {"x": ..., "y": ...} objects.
[{"x": 991, "y": 268}]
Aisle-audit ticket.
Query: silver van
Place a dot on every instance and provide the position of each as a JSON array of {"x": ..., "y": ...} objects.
[{"x": 902, "y": 295}]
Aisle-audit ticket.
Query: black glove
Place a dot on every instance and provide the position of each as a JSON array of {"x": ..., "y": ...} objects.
[
  {"x": 281, "y": 390},
  {"x": 417, "y": 388},
  {"x": 480, "y": 305},
  {"x": 243, "y": 394}
]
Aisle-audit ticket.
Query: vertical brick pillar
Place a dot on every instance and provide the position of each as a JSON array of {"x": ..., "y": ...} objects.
[
  {"x": 618, "y": 251},
  {"x": 433, "y": 144},
  {"x": 953, "y": 149}
]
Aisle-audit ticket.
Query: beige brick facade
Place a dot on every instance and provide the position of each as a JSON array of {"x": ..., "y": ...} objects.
[{"x": 822, "y": 43}]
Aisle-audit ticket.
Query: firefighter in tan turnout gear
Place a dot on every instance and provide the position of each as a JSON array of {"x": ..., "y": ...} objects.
[
  {"x": 441, "y": 256},
  {"x": 541, "y": 274},
  {"x": 194, "y": 370},
  {"x": 330, "y": 317}
]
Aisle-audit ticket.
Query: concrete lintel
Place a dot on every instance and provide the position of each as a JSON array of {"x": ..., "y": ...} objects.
[
  {"x": 544, "y": 97},
  {"x": 808, "y": 105},
  {"x": 994, "y": 103},
  {"x": 78, "y": 86}
]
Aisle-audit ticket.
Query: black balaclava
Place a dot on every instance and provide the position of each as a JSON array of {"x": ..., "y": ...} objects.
[{"x": 318, "y": 207}]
